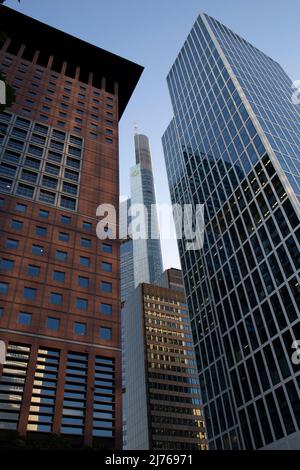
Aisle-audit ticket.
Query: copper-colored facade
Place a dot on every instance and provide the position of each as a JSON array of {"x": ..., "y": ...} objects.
[{"x": 61, "y": 375}]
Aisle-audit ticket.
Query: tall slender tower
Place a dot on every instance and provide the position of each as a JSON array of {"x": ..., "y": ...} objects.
[
  {"x": 237, "y": 152},
  {"x": 141, "y": 258},
  {"x": 59, "y": 288}
]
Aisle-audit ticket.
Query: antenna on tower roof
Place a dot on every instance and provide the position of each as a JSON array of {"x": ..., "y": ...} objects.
[{"x": 136, "y": 129}]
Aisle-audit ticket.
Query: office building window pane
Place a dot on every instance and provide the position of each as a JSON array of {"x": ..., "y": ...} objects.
[
  {"x": 6, "y": 264},
  {"x": 37, "y": 250},
  {"x": 59, "y": 276},
  {"x": 24, "y": 318},
  {"x": 106, "y": 309},
  {"x": 106, "y": 266},
  {"x": 63, "y": 237},
  {"x": 106, "y": 248},
  {"x": 21, "y": 207},
  {"x": 82, "y": 304},
  {"x": 33, "y": 270},
  {"x": 41, "y": 231},
  {"x": 16, "y": 224},
  {"x": 56, "y": 298},
  {"x": 61, "y": 255},
  {"x": 53, "y": 323},
  {"x": 79, "y": 328},
  {"x": 87, "y": 226},
  {"x": 106, "y": 286},
  {"x": 86, "y": 242},
  {"x": 29, "y": 293},
  {"x": 12, "y": 244},
  {"x": 84, "y": 261},
  {"x": 83, "y": 281},
  {"x": 3, "y": 287},
  {"x": 65, "y": 219},
  {"x": 105, "y": 333},
  {"x": 43, "y": 213}
]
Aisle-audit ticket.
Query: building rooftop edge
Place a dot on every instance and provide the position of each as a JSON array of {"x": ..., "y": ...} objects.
[{"x": 70, "y": 48}]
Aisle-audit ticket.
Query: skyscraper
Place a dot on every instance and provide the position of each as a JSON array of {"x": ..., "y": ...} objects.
[
  {"x": 142, "y": 255},
  {"x": 233, "y": 145},
  {"x": 162, "y": 401},
  {"x": 60, "y": 304},
  {"x": 126, "y": 251}
]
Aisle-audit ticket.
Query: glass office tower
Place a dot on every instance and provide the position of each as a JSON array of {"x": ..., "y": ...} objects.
[
  {"x": 146, "y": 253},
  {"x": 233, "y": 145},
  {"x": 141, "y": 259},
  {"x": 126, "y": 251}
]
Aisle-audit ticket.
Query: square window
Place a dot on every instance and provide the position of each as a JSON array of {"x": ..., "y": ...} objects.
[
  {"x": 3, "y": 287},
  {"x": 106, "y": 266},
  {"x": 59, "y": 276},
  {"x": 43, "y": 213},
  {"x": 106, "y": 286},
  {"x": 54, "y": 156},
  {"x": 82, "y": 304},
  {"x": 29, "y": 293},
  {"x": 87, "y": 226},
  {"x": 6, "y": 264},
  {"x": 105, "y": 333},
  {"x": 83, "y": 281},
  {"x": 47, "y": 196},
  {"x": 65, "y": 219},
  {"x": 16, "y": 224},
  {"x": 71, "y": 175},
  {"x": 106, "y": 309},
  {"x": 79, "y": 328},
  {"x": 41, "y": 231},
  {"x": 63, "y": 237},
  {"x": 37, "y": 250},
  {"x": 68, "y": 202},
  {"x": 53, "y": 169},
  {"x": 24, "y": 318},
  {"x": 33, "y": 270},
  {"x": 21, "y": 207},
  {"x": 84, "y": 261},
  {"x": 12, "y": 244},
  {"x": 61, "y": 255},
  {"x": 86, "y": 242},
  {"x": 106, "y": 248},
  {"x": 56, "y": 298},
  {"x": 53, "y": 323}
]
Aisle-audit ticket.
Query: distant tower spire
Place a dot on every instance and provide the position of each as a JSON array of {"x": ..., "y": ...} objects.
[{"x": 136, "y": 129}]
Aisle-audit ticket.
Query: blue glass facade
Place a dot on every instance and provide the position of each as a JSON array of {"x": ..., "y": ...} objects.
[
  {"x": 141, "y": 259},
  {"x": 232, "y": 146}
]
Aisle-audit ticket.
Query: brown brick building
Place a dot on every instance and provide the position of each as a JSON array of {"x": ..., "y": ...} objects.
[{"x": 59, "y": 287}]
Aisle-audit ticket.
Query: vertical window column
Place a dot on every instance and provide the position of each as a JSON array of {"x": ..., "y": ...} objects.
[
  {"x": 12, "y": 385},
  {"x": 104, "y": 398},
  {"x": 41, "y": 413},
  {"x": 74, "y": 406}
]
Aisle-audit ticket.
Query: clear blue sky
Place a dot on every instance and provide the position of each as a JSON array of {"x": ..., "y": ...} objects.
[{"x": 151, "y": 32}]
